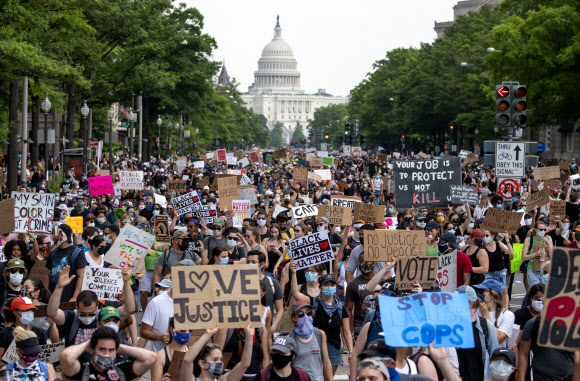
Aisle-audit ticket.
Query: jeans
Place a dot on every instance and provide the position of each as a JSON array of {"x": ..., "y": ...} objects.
[
  {"x": 534, "y": 277},
  {"x": 500, "y": 276}
]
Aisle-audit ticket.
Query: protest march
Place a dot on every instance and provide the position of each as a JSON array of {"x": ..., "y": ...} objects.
[{"x": 203, "y": 267}]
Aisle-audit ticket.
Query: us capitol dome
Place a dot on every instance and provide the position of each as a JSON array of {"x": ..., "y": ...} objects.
[{"x": 276, "y": 91}]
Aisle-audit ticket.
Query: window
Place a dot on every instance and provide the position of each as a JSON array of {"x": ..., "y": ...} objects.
[
  {"x": 548, "y": 139},
  {"x": 569, "y": 142}
]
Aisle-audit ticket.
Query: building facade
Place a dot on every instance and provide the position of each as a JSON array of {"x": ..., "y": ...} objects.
[
  {"x": 460, "y": 9},
  {"x": 276, "y": 91}
]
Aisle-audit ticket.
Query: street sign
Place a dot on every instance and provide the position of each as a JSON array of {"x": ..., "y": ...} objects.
[
  {"x": 506, "y": 187},
  {"x": 346, "y": 150},
  {"x": 510, "y": 159},
  {"x": 125, "y": 124},
  {"x": 356, "y": 151},
  {"x": 323, "y": 146}
]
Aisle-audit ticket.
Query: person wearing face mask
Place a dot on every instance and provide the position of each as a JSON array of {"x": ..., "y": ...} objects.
[
  {"x": 497, "y": 249},
  {"x": 109, "y": 317},
  {"x": 90, "y": 221},
  {"x": 537, "y": 249},
  {"x": 103, "y": 347},
  {"x": 80, "y": 210},
  {"x": 219, "y": 256},
  {"x": 405, "y": 221},
  {"x": 14, "y": 276},
  {"x": 276, "y": 250},
  {"x": 110, "y": 234},
  {"x": 447, "y": 245},
  {"x": 420, "y": 221},
  {"x": 356, "y": 292},
  {"x": 172, "y": 256},
  {"x": 282, "y": 352},
  {"x": 535, "y": 299},
  {"x": 502, "y": 364},
  {"x": 28, "y": 366},
  {"x": 178, "y": 342},
  {"x": 216, "y": 239},
  {"x": 95, "y": 255},
  {"x": 102, "y": 222},
  {"x": 493, "y": 308}
]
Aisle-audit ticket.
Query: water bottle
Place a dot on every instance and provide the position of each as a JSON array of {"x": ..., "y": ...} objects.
[{"x": 543, "y": 256}]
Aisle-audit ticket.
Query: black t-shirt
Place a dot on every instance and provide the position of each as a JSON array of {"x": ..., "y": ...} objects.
[
  {"x": 522, "y": 316},
  {"x": 572, "y": 211},
  {"x": 470, "y": 364},
  {"x": 356, "y": 291},
  {"x": 274, "y": 377},
  {"x": 57, "y": 261},
  {"x": 329, "y": 324},
  {"x": 492, "y": 186},
  {"x": 522, "y": 231},
  {"x": 107, "y": 375},
  {"x": 7, "y": 336}
]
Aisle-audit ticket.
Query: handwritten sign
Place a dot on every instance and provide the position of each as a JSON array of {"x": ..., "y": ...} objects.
[
  {"x": 546, "y": 173},
  {"x": 538, "y": 199},
  {"x": 559, "y": 318},
  {"x": 177, "y": 186},
  {"x": 228, "y": 191},
  {"x": 328, "y": 161},
  {"x": 130, "y": 247},
  {"x": 186, "y": 203},
  {"x": 280, "y": 154},
  {"x": 199, "y": 164},
  {"x": 206, "y": 295},
  {"x": 420, "y": 319},
  {"x": 311, "y": 250},
  {"x": 247, "y": 192},
  {"x": 337, "y": 215},
  {"x": 8, "y": 223},
  {"x": 382, "y": 245},
  {"x": 416, "y": 269},
  {"x": 101, "y": 185},
  {"x": 131, "y": 180},
  {"x": 324, "y": 174},
  {"x": 33, "y": 212},
  {"x": 181, "y": 163},
  {"x": 300, "y": 174},
  {"x": 461, "y": 194},
  {"x": 369, "y": 213},
  {"x": 447, "y": 272},
  {"x": 104, "y": 282},
  {"x": 304, "y": 211},
  {"x": 254, "y": 157},
  {"x": 206, "y": 212},
  {"x": 161, "y": 225},
  {"x": 50, "y": 353},
  {"x": 315, "y": 161},
  {"x": 497, "y": 220},
  {"x": 241, "y": 210},
  {"x": 232, "y": 160},
  {"x": 221, "y": 155},
  {"x": 313, "y": 176},
  {"x": 41, "y": 272},
  {"x": 558, "y": 209},
  {"x": 76, "y": 224}
]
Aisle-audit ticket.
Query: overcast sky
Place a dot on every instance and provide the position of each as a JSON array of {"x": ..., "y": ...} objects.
[{"x": 335, "y": 42}]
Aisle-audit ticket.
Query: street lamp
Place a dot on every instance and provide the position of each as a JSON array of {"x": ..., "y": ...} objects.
[
  {"x": 85, "y": 114},
  {"x": 45, "y": 106},
  {"x": 196, "y": 142},
  {"x": 111, "y": 115},
  {"x": 464, "y": 64},
  {"x": 178, "y": 133},
  {"x": 135, "y": 118},
  {"x": 159, "y": 121},
  {"x": 476, "y": 131},
  {"x": 131, "y": 118},
  {"x": 169, "y": 125}
]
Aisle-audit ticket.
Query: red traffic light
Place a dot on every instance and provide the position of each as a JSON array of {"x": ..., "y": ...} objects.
[
  {"x": 521, "y": 92},
  {"x": 503, "y": 91},
  {"x": 403, "y": 136}
]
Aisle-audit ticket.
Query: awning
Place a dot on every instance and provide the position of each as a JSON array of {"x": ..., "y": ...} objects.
[{"x": 566, "y": 128}]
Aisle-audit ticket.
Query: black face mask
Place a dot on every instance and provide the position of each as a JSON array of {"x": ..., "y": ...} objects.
[
  {"x": 184, "y": 244},
  {"x": 280, "y": 361}
]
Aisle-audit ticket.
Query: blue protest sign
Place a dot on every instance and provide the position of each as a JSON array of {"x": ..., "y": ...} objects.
[{"x": 420, "y": 319}]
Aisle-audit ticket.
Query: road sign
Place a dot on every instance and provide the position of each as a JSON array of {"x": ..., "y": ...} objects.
[
  {"x": 125, "y": 124},
  {"x": 346, "y": 150},
  {"x": 506, "y": 187},
  {"x": 510, "y": 159},
  {"x": 356, "y": 151}
]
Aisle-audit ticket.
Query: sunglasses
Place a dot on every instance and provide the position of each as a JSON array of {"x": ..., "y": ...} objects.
[
  {"x": 247, "y": 236},
  {"x": 169, "y": 208},
  {"x": 488, "y": 235},
  {"x": 233, "y": 238},
  {"x": 88, "y": 315},
  {"x": 14, "y": 271},
  {"x": 157, "y": 209},
  {"x": 301, "y": 314},
  {"x": 43, "y": 243},
  {"x": 543, "y": 230},
  {"x": 298, "y": 230},
  {"x": 322, "y": 224},
  {"x": 262, "y": 218}
]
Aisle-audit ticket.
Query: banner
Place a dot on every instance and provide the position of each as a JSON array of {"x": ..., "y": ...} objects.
[
  {"x": 382, "y": 245},
  {"x": 447, "y": 272},
  {"x": 416, "y": 269},
  {"x": 104, "y": 282},
  {"x": 337, "y": 215},
  {"x": 497, "y": 220},
  {"x": 8, "y": 223},
  {"x": 33, "y": 212},
  {"x": 369, "y": 213},
  {"x": 419, "y": 320},
  {"x": 161, "y": 227},
  {"x": 559, "y": 319},
  {"x": 206, "y": 295},
  {"x": 228, "y": 191},
  {"x": 311, "y": 250},
  {"x": 206, "y": 212},
  {"x": 186, "y": 203},
  {"x": 425, "y": 182},
  {"x": 131, "y": 180},
  {"x": 241, "y": 210},
  {"x": 130, "y": 247},
  {"x": 100, "y": 185},
  {"x": 461, "y": 194}
]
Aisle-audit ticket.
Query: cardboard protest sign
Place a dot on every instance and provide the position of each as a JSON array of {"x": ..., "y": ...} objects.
[
  {"x": 416, "y": 269},
  {"x": 369, "y": 213},
  {"x": 206, "y": 295},
  {"x": 228, "y": 191},
  {"x": 102, "y": 172},
  {"x": 346, "y": 201},
  {"x": 214, "y": 184},
  {"x": 314, "y": 176},
  {"x": 241, "y": 210},
  {"x": 383, "y": 157},
  {"x": 186, "y": 203},
  {"x": 161, "y": 227},
  {"x": 175, "y": 365},
  {"x": 418, "y": 320},
  {"x": 41, "y": 272},
  {"x": 558, "y": 209},
  {"x": 564, "y": 165},
  {"x": 425, "y": 182},
  {"x": 546, "y": 173},
  {"x": 221, "y": 155},
  {"x": 311, "y": 250},
  {"x": 541, "y": 258},
  {"x": 76, "y": 224},
  {"x": 130, "y": 247},
  {"x": 131, "y": 180},
  {"x": 33, "y": 212},
  {"x": 447, "y": 272},
  {"x": 254, "y": 157},
  {"x": 461, "y": 194},
  {"x": 303, "y": 211},
  {"x": 279, "y": 154},
  {"x": 300, "y": 174},
  {"x": 247, "y": 192},
  {"x": 177, "y": 186},
  {"x": 553, "y": 183},
  {"x": 422, "y": 155},
  {"x": 8, "y": 223},
  {"x": 382, "y": 245},
  {"x": 101, "y": 185},
  {"x": 50, "y": 353},
  {"x": 206, "y": 212},
  {"x": 104, "y": 282},
  {"x": 315, "y": 161},
  {"x": 324, "y": 174},
  {"x": 337, "y": 215},
  {"x": 538, "y": 199},
  {"x": 559, "y": 318},
  {"x": 517, "y": 261},
  {"x": 41, "y": 311},
  {"x": 497, "y": 220}
]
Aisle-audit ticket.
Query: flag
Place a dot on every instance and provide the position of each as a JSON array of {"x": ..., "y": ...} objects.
[{"x": 124, "y": 111}]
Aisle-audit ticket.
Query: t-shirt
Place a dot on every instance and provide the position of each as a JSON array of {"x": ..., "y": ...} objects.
[
  {"x": 352, "y": 264},
  {"x": 505, "y": 324},
  {"x": 84, "y": 332},
  {"x": 210, "y": 242},
  {"x": 7, "y": 336},
  {"x": 57, "y": 260},
  {"x": 572, "y": 211},
  {"x": 157, "y": 315},
  {"x": 274, "y": 377},
  {"x": 463, "y": 266},
  {"x": 329, "y": 324},
  {"x": 356, "y": 291},
  {"x": 548, "y": 363},
  {"x": 32, "y": 373},
  {"x": 272, "y": 294},
  {"x": 173, "y": 259},
  {"x": 107, "y": 375},
  {"x": 522, "y": 316},
  {"x": 470, "y": 363}
]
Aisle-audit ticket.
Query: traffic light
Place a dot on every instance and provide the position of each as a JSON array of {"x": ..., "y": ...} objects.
[
  {"x": 326, "y": 137},
  {"x": 451, "y": 126},
  {"x": 156, "y": 142},
  {"x": 194, "y": 144},
  {"x": 520, "y": 105},
  {"x": 340, "y": 139},
  {"x": 502, "y": 108},
  {"x": 363, "y": 139}
]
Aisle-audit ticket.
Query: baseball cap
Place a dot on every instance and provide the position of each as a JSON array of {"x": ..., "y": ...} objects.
[
  {"x": 378, "y": 348},
  {"x": 15, "y": 264},
  {"x": 219, "y": 222},
  {"x": 432, "y": 225},
  {"x": 471, "y": 294},
  {"x": 142, "y": 225},
  {"x": 326, "y": 278},
  {"x": 450, "y": 238},
  {"x": 322, "y": 219},
  {"x": 22, "y": 303},
  {"x": 109, "y": 311},
  {"x": 284, "y": 344},
  {"x": 179, "y": 233},
  {"x": 165, "y": 283},
  {"x": 508, "y": 353},
  {"x": 420, "y": 216},
  {"x": 29, "y": 346},
  {"x": 475, "y": 233},
  {"x": 490, "y": 284},
  {"x": 298, "y": 305},
  {"x": 374, "y": 363}
]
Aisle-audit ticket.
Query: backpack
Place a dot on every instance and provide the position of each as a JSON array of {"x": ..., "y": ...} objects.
[
  {"x": 415, "y": 358},
  {"x": 166, "y": 256},
  {"x": 265, "y": 374},
  {"x": 86, "y": 376},
  {"x": 43, "y": 368},
  {"x": 316, "y": 303},
  {"x": 484, "y": 328}
]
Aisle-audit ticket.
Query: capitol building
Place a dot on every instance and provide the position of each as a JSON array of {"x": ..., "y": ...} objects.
[{"x": 276, "y": 91}]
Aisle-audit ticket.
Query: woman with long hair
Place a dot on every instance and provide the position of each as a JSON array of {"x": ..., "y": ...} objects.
[
  {"x": 253, "y": 241},
  {"x": 95, "y": 256},
  {"x": 40, "y": 296},
  {"x": 276, "y": 248},
  {"x": 493, "y": 309},
  {"x": 481, "y": 208},
  {"x": 178, "y": 340},
  {"x": 219, "y": 256},
  {"x": 475, "y": 250},
  {"x": 18, "y": 249}
]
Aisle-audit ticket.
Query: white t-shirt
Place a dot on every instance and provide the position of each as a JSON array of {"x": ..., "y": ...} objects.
[
  {"x": 505, "y": 324},
  {"x": 91, "y": 262},
  {"x": 377, "y": 183},
  {"x": 157, "y": 315}
]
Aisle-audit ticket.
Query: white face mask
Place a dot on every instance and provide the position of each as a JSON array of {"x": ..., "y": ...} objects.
[
  {"x": 528, "y": 222},
  {"x": 500, "y": 369},
  {"x": 537, "y": 305},
  {"x": 261, "y": 223},
  {"x": 86, "y": 320},
  {"x": 217, "y": 233},
  {"x": 114, "y": 326},
  {"x": 16, "y": 279}
]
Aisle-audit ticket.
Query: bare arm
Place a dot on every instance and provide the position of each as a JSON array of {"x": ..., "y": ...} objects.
[
  {"x": 237, "y": 373},
  {"x": 483, "y": 259},
  {"x": 79, "y": 284},
  {"x": 359, "y": 347},
  {"x": 194, "y": 350},
  {"x": 129, "y": 306},
  {"x": 69, "y": 362},
  {"x": 157, "y": 273},
  {"x": 279, "y": 304},
  {"x": 52, "y": 311},
  {"x": 380, "y": 275},
  {"x": 326, "y": 365},
  {"x": 300, "y": 297},
  {"x": 147, "y": 333},
  {"x": 144, "y": 358}
]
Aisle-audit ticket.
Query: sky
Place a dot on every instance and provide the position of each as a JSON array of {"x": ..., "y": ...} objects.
[{"x": 335, "y": 42}]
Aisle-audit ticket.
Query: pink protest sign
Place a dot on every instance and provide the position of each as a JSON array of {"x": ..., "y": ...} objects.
[
  {"x": 221, "y": 155},
  {"x": 101, "y": 185}
]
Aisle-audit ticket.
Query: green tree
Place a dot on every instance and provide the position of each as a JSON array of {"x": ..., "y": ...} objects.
[
  {"x": 330, "y": 120},
  {"x": 276, "y": 135},
  {"x": 298, "y": 133}
]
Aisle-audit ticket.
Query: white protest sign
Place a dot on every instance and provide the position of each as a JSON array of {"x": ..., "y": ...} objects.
[
  {"x": 50, "y": 353},
  {"x": 131, "y": 180},
  {"x": 322, "y": 153},
  {"x": 241, "y": 210},
  {"x": 106, "y": 283},
  {"x": 244, "y": 162},
  {"x": 206, "y": 212},
  {"x": 248, "y": 194},
  {"x": 130, "y": 247},
  {"x": 311, "y": 250},
  {"x": 209, "y": 155},
  {"x": 185, "y": 177},
  {"x": 447, "y": 272},
  {"x": 161, "y": 200},
  {"x": 33, "y": 212},
  {"x": 198, "y": 164},
  {"x": 279, "y": 209},
  {"x": 303, "y": 211},
  {"x": 181, "y": 163},
  {"x": 232, "y": 160},
  {"x": 346, "y": 202},
  {"x": 186, "y": 203},
  {"x": 324, "y": 174}
]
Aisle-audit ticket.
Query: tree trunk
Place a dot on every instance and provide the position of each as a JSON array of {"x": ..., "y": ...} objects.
[
  {"x": 12, "y": 163},
  {"x": 70, "y": 115},
  {"x": 35, "y": 110}
]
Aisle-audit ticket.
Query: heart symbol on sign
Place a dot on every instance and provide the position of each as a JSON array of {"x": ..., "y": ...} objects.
[
  {"x": 200, "y": 277},
  {"x": 195, "y": 198},
  {"x": 212, "y": 212},
  {"x": 324, "y": 245}
]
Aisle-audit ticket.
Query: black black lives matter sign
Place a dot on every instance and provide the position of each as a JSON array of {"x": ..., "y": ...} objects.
[
  {"x": 425, "y": 182},
  {"x": 311, "y": 250},
  {"x": 206, "y": 295}
]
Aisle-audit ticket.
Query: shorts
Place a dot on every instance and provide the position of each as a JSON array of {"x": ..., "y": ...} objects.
[
  {"x": 500, "y": 276},
  {"x": 334, "y": 354},
  {"x": 145, "y": 283},
  {"x": 534, "y": 277}
]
